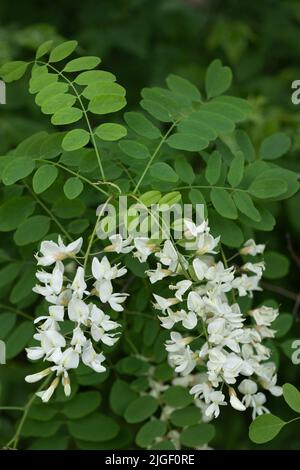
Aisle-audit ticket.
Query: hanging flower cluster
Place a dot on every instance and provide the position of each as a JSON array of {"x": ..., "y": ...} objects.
[
  {"x": 223, "y": 343},
  {"x": 69, "y": 299}
]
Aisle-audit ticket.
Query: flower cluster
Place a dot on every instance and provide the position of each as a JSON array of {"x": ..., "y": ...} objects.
[
  {"x": 68, "y": 299},
  {"x": 223, "y": 351}
]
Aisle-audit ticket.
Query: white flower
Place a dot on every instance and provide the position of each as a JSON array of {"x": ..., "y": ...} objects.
[
  {"x": 38, "y": 376},
  {"x": 56, "y": 314},
  {"x": 258, "y": 401},
  {"x": 79, "y": 285},
  {"x": 45, "y": 395},
  {"x": 168, "y": 256},
  {"x": 144, "y": 248},
  {"x": 177, "y": 342},
  {"x": 52, "y": 252},
  {"x": 217, "y": 399},
  {"x": 158, "y": 273},
  {"x": 163, "y": 304},
  {"x": 189, "y": 320},
  {"x": 206, "y": 243},
  {"x": 78, "y": 311},
  {"x": 256, "y": 268},
  {"x": 183, "y": 360},
  {"x": 78, "y": 339},
  {"x": 195, "y": 303},
  {"x": 200, "y": 268},
  {"x": 246, "y": 284},
  {"x": 264, "y": 315},
  {"x": 235, "y": 401},
  {"x": 192, "y": 230},
  {"x": 250, "y": 248},
  {"x": 100, "y": 325},
  {"x": 181, "y": 287},
  {"x": 53, "y": 283},
  {"x": 118, "y": 245},
  {"x": 104, "y": 273},
  {"x": 92, "y": 359},
  {"x": 116, "y": 300}
]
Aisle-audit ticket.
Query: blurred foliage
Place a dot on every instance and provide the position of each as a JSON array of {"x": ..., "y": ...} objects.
[{"x": 143, "y": 41}]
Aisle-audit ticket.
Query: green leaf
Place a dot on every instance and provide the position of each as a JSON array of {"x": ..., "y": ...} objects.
[
  {"x": 245, "y": 144},
  {"x": 265, "y": 188},
  {"x": 231, "y": 234},
  {"x": 142, "y": 126},
  {"x": 120, "y": 397},
  {"x": 236, "y": 170},
  {"x": 17, "y": 169},
  {"x": 19, "y": 339},
  {"x": 43, "y": 49},
  {"x": 177, "y": 397},
  {"x": 183, "y": 87},
  {"x": 32, "y": 230},
  {"x": 51, "y": 147},
  {"x": 218, "y": 79},
  {"x": 140, "y": 409},
  {"x": 134, "y": 149},
  {"x": 55, "y": 103},
  {"x": 213, "y": 168},
  {"x": 105, "y": 103},
  {"x": 39, "y": 83},
  {"x": 62, "y": 51},
  {"x": 9, "y": 273},
  {"x": 277, "y": 265},
  {"x": 282, "y": 324},
  {"x": 73, "y": 187},
  {"x": 82, "y": 404},
  {"x": 23, "y": 288},
  {"x": 13, "y": 71},
  {"x": 75, "y": 139},
  {"x": 150, "y": 197},
  {"x": 150, "y": 431},
  {"x": 65, "y": 116},
  {"x": 43, "y": 178},
  {"x": 33, "y": 428},
  {"x": 94, "y": 428},
  {"x": 164, "y": 172},
  {"x": 14, "y": 211},
  {"x": 7, "y": 322},
  {"x": 223, "y": 203},
  {"x": 91, "y": 76},
  {"x": 197, "y": 435},
  {"x": 189, "y": 142},
  {"x": 82, "y": 63},
  {"x": 185, "y": 416},
  {"x": 103, "y": 88},
  {"x": 184, "y": 170},
  {"x": 50, "y": 91},
  {"x": 170, "y": 198},
  {"x": 157, "y": 110},
  {"x": 110, "y": 131},
  {"x": 245, "y": 205},
  {"x": 292, "y": 396},
  {"x": 265, "y": 427},
  {"x": 275, "y": 146}
]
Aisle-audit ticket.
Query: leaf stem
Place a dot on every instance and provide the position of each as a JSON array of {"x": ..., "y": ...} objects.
[{"x": 162, "y": 141}]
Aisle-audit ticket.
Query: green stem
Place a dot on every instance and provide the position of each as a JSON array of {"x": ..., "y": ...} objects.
[
  {"x": 11, "y": 408},
  {"x": 162, "y": 141},
  {"x": 17, "y": 311},
  {"x": 14, "y": 441},
  {"x": 78, "y": 175}
]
